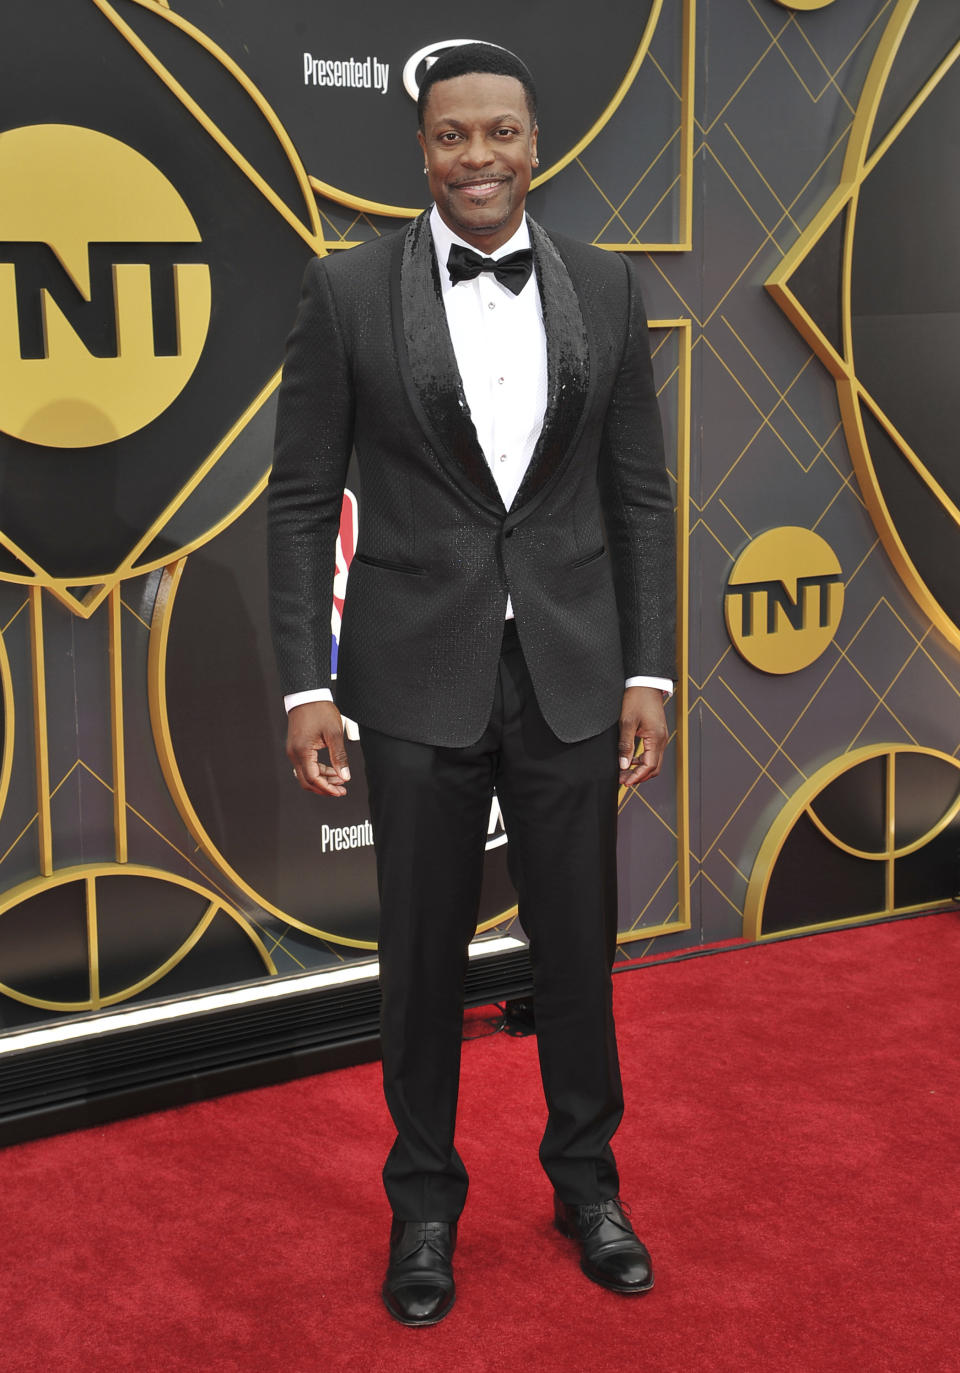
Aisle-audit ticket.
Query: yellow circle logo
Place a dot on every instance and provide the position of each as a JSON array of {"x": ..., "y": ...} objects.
[
  {"x": 104, "y": 291},
  {"x": 784, "y": 599}
]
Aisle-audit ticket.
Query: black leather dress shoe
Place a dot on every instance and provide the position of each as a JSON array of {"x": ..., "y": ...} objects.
[
  {"x": 610, "y": 1252},
  {"x": 418, "y": 1288}
]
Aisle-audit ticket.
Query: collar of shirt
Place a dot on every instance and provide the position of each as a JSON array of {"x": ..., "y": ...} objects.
[{"x": 444, "y": 237}]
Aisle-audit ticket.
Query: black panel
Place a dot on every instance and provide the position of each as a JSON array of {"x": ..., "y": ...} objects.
[
  {"x": 141, "y": 922},
  {"x": 237, "y": 472},
  {"x": 814, "y": 881},
  {"x": 853, "y": 807},
  {"x": 933, "y": 30},
  {"x": 817, "y": 282},
  {"x": 11, "y": 566},
  {"x": 224, "y": 955},
  {"x": 932, "y": 874},
  {"x": 364, "y": 142},
  {"x": 927, "y": 530},
  {"x": 43, "y": 945},
  {"x": 925, "y": 789}
]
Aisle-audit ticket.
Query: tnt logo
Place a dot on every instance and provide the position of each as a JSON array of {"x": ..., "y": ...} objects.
[
  {"x": 104, "y": 290},
  {"x": 346, "y": 544},
  {"x": 784, "y": 599}
]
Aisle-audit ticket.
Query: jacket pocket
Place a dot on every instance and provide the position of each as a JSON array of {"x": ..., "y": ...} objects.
[
  {"x": 590, "y": 558},
  {"x": 385, "y": 566}
]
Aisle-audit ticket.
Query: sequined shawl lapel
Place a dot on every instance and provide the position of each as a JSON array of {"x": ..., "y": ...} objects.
[
  {"x": 568, "y": 368},
  {"x": 429, "y": 367}
]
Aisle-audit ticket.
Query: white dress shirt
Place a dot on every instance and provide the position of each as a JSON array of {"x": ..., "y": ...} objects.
[{"x": 501, "y": 351}]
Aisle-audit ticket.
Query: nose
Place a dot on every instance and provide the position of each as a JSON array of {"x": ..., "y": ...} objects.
[{"x": 476, "y": 152}]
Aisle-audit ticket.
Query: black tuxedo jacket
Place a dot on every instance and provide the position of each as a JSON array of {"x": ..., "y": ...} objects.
[{"x": 586, "y": 551}]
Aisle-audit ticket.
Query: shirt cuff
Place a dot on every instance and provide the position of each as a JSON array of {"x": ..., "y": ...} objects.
[
  {"x": 302, "y": 698},
  {"x": 664, "y": 683}
]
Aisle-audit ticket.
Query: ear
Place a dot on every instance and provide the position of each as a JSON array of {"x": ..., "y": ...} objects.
[
  {"x": 422, "y": 141},
  {"x": 534, "y": 159}
]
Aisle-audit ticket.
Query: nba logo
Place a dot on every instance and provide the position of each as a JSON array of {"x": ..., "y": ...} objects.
[{"x": 346, "y": 544}]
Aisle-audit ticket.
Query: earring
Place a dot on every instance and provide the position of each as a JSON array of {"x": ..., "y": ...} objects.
[{"x": 426, "y": 170}]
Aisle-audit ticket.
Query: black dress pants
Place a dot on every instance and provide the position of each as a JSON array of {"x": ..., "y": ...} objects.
[{"x": 430, "y": 808}]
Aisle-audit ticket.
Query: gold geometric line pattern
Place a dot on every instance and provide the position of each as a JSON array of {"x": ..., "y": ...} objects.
[
  {"x": 136, "y": 614},
  {"x": 780, "y": 747},
  {"x": 667, "y": 926},
  {"x": 840, "y": 138},
  {"x": 706, "y": 129},
  {"x": 682, "y": 328},
  {"x": 20, "y": 608},
  {"x": 831, "y": 79}
]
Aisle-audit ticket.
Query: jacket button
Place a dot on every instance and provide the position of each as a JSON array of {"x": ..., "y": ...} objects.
[{"x": 508, "y": 534}]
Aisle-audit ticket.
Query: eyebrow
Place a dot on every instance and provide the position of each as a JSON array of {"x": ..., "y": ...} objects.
[{"x": 497, "y": 119}]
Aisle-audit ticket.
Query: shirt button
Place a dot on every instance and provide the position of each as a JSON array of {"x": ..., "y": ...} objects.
[
  {"x": 503, "y": 457},
  {"x": 492, "y": 305},
  {"x": 499, "y": 381}
]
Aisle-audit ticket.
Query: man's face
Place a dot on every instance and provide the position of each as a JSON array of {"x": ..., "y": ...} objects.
[{"x": 480, "y": 146}]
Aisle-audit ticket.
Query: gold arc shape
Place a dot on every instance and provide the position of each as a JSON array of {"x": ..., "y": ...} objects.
[
  {"x": 858, "y": 163},
  {"x": 802, "y": 803},
  {"x": 684, "y": 332},
  {"x": 89, "y": 874},
  {"x": 7, "y": 716}
]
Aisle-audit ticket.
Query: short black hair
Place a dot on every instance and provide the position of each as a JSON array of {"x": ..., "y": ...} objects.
[{"x": 467, "y": 58}]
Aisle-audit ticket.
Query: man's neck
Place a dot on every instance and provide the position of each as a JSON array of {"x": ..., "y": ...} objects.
[{"x": 444, "y": 236}]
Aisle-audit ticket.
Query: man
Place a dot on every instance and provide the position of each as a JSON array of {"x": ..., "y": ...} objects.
[{"x": 510, "y": 600}]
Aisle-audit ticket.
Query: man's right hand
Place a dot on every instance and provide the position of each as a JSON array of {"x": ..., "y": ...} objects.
[{"x": 310, "y": 727}]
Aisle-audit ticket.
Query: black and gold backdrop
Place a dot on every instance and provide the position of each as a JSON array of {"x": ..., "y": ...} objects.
[{"x": 785, "y": 180}]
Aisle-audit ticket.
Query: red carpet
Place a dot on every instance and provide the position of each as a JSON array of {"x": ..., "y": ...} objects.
[{"x": 790, "y": 1152}]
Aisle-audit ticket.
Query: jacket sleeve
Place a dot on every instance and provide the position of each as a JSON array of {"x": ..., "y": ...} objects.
[
  {"x": 638, "y": 507},
  {"x": 314, "y": 437}
]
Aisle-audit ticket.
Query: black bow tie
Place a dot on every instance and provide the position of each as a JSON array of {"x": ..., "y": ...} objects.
[{"x": 512, "y": 271}]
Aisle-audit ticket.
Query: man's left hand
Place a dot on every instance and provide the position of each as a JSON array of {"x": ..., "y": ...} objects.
[{"x": 641, "y": 717}]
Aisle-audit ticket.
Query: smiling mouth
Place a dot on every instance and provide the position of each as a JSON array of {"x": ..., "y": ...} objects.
[{"x": 479, "y": 190}]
